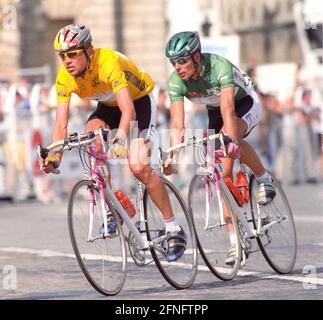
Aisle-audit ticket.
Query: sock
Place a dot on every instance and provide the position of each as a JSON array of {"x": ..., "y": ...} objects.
[
  {"x": 233, "y": 239},
  {"x": 172, "y": 225},
  {"x": 262, "y": 177}
]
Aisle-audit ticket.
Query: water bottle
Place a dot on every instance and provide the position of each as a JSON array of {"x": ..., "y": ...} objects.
[
  {"x": 235, "y": 192},
  {"x": 126, "y": 203},
  {"x": 242, "y": 185}
]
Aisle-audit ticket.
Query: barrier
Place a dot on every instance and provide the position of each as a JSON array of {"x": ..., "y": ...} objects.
[{"x": 24, "y": 126}]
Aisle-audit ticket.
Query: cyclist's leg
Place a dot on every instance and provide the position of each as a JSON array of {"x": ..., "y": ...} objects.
[
  {"x": 103, "y": 117},
  {"x": 139, "y": 155},
  {"x": 227, "y": 174},
  {"x": 142, "y": 135},
  {"x": 139, "y": 164},
  {"x": 249, "y": 113},
  {"x": 216, "y": 124},
  {"x": 92, "y": 125},
  {"x": 107, "y": 118}
]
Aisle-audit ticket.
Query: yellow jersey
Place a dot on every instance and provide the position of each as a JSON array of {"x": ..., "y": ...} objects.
[{"x": 108, "y": 72}]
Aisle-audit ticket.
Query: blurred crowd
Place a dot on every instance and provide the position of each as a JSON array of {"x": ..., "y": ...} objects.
[{"x": 287, "y": 139}]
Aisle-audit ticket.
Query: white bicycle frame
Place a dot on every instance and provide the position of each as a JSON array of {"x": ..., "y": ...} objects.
[{"x": 241, "y": 212}]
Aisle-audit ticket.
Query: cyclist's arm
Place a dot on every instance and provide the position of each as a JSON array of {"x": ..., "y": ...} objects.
[
  {"x": 61, "y": 123},
  {"x": 228, "y": 112},
  {"x": 177, "y": 125},
  {"x": 127, "y": 108}
]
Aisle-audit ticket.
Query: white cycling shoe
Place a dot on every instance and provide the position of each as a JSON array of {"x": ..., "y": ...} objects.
[{"x": 266, "y": 192}]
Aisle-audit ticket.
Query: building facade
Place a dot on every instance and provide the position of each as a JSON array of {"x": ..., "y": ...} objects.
[
  {"x": 266, "y": 27},
  {"x": 137, "y": 28},
  {"x": 140, "y": 29}
]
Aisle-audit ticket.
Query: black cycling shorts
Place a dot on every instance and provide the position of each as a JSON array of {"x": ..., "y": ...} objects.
[
  {"x": 247, "y": 109},
  {"x": 145, "y": 123}
]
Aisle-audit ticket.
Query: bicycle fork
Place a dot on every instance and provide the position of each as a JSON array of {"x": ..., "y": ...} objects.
[
  {"x": 104, "y": 210},
  {"x": 208, "y": 200}
]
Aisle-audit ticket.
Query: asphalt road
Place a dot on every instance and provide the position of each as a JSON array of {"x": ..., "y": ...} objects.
[{"x": 37, "y": 260}]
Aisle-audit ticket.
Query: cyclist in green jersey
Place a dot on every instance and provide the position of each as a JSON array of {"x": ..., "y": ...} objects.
[{"x": 232, "y": 104}]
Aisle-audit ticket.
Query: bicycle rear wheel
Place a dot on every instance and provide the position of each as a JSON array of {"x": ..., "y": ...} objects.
[
  {"x": 182, "y": 272},
  {"x": 278, "y": 244},
  {"x": 103, "y": 260},
  {"x": 211, "y": 227}
]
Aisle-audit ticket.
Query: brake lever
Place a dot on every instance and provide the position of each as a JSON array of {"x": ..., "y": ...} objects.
[
  {"x": 42, "y": 152},
  {"x": 163, "y": 156}
]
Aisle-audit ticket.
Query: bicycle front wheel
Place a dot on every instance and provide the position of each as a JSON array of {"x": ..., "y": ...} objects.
[
  {"x": 103, "y": 260},
  {"x": 182, "y": 272},
  {"x": 212, "y": 212},
  {"x": 277, "y": 242}
]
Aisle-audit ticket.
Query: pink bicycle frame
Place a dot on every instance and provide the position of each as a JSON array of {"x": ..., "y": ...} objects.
[{"x": 94, "y": 171}]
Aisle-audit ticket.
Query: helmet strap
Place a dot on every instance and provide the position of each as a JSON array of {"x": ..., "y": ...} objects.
[
  {"x": 86, "y": 54},
  {"x": 82, "y": 73},
  {"x": 195, "y": 64}
]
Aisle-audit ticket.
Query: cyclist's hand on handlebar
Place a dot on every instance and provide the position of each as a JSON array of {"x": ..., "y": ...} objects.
[
  {"x": 50, "y": 164},
  {"x": 170, "y": 166},
  {"x": 118, "y": 147},
  {"x": 233, "y": 150}
]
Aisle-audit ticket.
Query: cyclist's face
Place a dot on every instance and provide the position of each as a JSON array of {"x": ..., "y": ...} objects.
[
  {"x": 75, "y": 63},
  {"x": 184, "y": 68}
]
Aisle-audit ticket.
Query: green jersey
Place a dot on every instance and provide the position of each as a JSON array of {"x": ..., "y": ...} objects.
[{"x": 216, "y": 73}]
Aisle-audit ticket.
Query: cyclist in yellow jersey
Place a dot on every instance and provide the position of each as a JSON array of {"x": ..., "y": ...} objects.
[{"x": 123, "y": 92}]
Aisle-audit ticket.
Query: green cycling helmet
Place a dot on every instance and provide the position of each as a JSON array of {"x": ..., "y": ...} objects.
[{"x": 183, "y": 44}]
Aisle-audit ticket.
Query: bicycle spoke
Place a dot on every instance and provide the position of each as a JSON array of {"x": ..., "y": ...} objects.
[
  {"x": 278, "y": 241},
  {"x": 103, "y": 261},
  {"x": 180, "y": 273},
  {"x": 211, "y": 227}
]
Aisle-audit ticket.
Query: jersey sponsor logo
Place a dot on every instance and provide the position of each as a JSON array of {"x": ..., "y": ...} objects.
[
  {"x": 238, "y": 76},
  {"x": 242, "y": 79},
  {"x": 223, "y": 79},
  {"x": 61, "y": 94},
  {"x": 249, "y": 118},
  {"x": 194, "y": 94},
  {"x": 134, "y": 80},
  {"x": 116, "y": 83},
  {"x": 82, "y": 87},
  {"x": 213, "y": 91},
  {"x": 172, "y": 93},
  {"x": 95, "y": 81}
]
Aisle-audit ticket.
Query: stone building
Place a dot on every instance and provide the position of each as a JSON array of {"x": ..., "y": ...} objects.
[
  {"x": 266, "y": 27},
  {"x": 140, "y": 29},
  {"x": 137, "y": 28}
]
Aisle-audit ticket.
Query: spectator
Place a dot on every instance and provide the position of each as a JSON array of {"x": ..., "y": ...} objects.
[
  {"x": 163, "y": 115},
  {"x": 308, "y": 118}
]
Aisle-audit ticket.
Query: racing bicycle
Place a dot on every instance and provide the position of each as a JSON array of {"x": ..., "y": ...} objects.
[
  {"x": 102, "y": 255},
  {"x": 214, "y": 205}
]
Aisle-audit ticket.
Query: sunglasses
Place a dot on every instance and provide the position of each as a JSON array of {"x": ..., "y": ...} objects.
[
  {"x": 179, "y": 61},
  {"x": 70, "y": 54}
]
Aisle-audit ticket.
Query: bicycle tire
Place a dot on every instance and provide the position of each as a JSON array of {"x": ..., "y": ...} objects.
[
  {"x": 279, "y": 249},
  {"x": 103, "y": 261},
  {"x": 182, "y": 272},
  {"x": 212, "y": 235}
]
